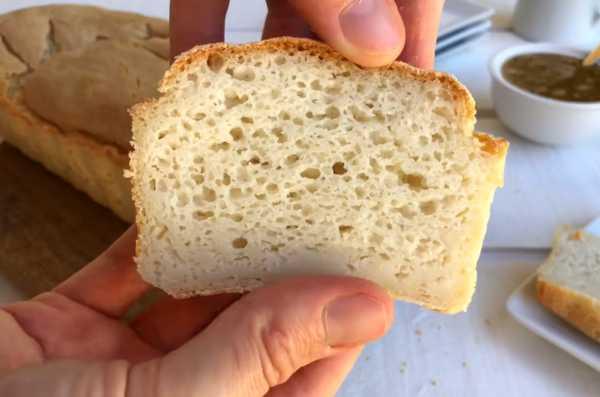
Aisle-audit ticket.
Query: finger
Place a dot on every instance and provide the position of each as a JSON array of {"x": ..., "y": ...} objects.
[
  {"x": 322, "y": 378},
  {"x": 169, "y": 323},
  {"x": 195, "y": 22},
  {"x": 269, "y": 334},
  {"x": 422, "y": 20},
  {"x": 110, "y": 283},
  {"x": 283, "y": 20},
  {"x": 368, "y": 32}
]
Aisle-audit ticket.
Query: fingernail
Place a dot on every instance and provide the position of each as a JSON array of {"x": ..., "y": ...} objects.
[
  {"x": 372, "y": 25},
  {"x": 354, "y": 319}
]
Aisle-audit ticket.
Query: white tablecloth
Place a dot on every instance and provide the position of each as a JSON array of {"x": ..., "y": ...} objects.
[{"x": 483, "y": 352}]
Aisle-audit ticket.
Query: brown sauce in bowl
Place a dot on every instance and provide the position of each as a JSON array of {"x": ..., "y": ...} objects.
[{"x": 554, "y": 76}]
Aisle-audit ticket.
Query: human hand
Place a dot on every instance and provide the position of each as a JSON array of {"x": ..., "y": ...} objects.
[
  {"x": 368, "y": 32},
  {"x": 298, "y": 337}
]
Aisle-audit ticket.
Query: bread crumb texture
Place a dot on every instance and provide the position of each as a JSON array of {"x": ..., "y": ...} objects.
[
  {"x": 282, "y": 158},
  {"x": 569, "y": 281}
]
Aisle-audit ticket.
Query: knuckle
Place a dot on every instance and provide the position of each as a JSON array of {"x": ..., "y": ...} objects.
[{"x": 276, "y": 353}]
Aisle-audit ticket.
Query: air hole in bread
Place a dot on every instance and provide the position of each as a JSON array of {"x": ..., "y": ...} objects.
[
  {"x": 378, "y": 138},
  {"x": 406, "y": 211},
  {"x": 215, "y": 62},
  {"x": 208, "y": 194},
  {"x": 292, "y": 159},
  {"x": 199, "y": 116},
  {"x": 239, "y": 243},
  {"x": 281, "y": 136},
  {"x": 260, "y": 134},
  {"x": 236, "y": 133},
  {"x": 339, "y": 168},
  {"x": 332, "y": 112},
  {"x": 235, "y": 193},
  {"x": 243, "y": 73},
  {"x": 202, "y": 215},
  {"x": 360, "y": 192},
  {"x": 232, "y": 99},
  {"x": 345, "y": 230},
  {"x": 415, "y": 182},
  {"x": 226, "y": 179},
  {"x": 311, "y": 173},
  {"x": 428, "y": 207},
  {"x": 294, "y": 196},
  {"x": 224, "y": 146},
  {"x": 358, "y": 114}
]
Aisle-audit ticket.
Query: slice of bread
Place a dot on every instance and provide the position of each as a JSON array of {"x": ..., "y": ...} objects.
[
  {"x": 568, "y": 283},
  {"x": 68, "y": 75},
  {"x": 282, "y": 158}
]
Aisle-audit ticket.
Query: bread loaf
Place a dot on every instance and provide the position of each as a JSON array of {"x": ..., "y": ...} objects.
[
  {"x": 282, "y": 158},
  {"x": 68, "y": 74},
  {"x": 568, "y": 283}
]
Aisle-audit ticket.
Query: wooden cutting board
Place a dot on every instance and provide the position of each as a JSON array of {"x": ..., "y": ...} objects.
[{"x": 48, "y": 230}]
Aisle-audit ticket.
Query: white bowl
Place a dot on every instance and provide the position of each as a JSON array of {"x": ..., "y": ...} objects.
[{"x": 539, "y": 118}]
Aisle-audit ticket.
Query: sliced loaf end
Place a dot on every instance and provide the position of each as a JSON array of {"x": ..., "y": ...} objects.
[
  {"x": 568, "y": 283},
  {"x": 282, "y": 158}
]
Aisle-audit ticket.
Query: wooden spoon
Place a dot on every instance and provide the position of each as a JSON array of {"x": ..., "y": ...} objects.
[{"x": 592, "y": 57}]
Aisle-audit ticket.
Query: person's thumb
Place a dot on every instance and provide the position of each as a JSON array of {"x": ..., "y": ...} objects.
[
  {"x": 265, "y": 337},
  {"x": 368, "y": 32}
]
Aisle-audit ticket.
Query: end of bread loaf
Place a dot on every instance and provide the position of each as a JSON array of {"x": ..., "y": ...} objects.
[
  {"x": 568, "y": 283},
  {"x": 282, "y": 158}
]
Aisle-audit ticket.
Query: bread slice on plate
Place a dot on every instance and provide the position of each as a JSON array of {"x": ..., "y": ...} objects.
[
  {"x": 568, "y": 283},
  {"x": 282, "y": 158},
  {"x": 68, "y": 75}
]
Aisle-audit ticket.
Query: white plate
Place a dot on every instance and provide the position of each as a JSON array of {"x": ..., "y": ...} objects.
[
  {"x": 464, "y": 36},
  {"x": 441, "y": 55},
  {"x": 460, "y": 14},
  {"x": 525, "y": 308}
]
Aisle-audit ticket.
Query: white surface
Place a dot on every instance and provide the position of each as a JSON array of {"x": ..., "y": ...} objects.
[
  {"x": 424, "y": 353},
  {"x": 537, "y": 118},
  {"x": 525, "y": 308},
  {"x": 460, "y": 14},
  {"x": 545, "y": 187}
]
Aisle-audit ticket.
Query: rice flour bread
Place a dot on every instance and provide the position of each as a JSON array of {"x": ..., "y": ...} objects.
[
  {"x": 568, "y": 283},
  {"x": 281, "y": 158},
  {"x": 68, "y": 74}
]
